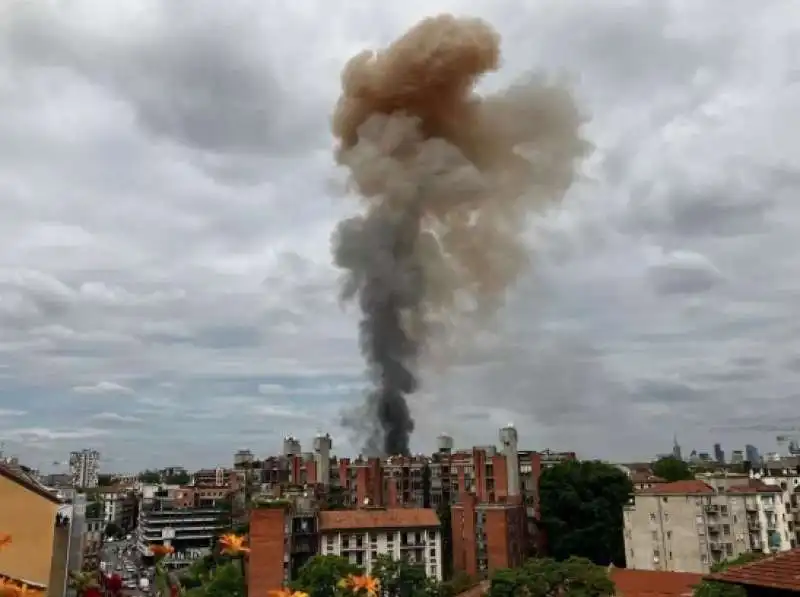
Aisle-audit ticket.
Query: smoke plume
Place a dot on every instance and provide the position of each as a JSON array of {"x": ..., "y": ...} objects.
[{"x": 447, "y": 178}]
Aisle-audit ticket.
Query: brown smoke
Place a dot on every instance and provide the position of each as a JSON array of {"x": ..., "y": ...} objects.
[{"x": 448, "y": 178}]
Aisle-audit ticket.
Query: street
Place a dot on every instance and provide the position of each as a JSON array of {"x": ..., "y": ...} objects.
[{"x": 121, "y": 558}]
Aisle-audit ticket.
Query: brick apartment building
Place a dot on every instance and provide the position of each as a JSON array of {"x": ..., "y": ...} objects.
[
  {"x": 488, "y": 535},
  {"x": 284, "y": 534}
]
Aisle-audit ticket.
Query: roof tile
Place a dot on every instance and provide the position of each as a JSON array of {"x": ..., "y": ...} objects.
[
  {"x": 654, "y": 583},
  {"x": 375, "y": 518},
  {"x": 781, "y": 571},
  {"x": 692, "y": 487}
]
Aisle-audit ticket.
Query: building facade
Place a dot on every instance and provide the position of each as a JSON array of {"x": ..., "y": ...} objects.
[
  {"x": 488, "y": 536},
  {"x": 38, "y": 553},
  {"x": 84, "y": 466},
  {"x": 688, "y": 526},
  {"x": 284, "y": 534}
]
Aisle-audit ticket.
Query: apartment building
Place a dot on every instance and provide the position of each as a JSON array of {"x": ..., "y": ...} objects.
[
  {"x": 488, "y": 536},
  {"x": 118, "y": 506},
  {"x": 787, "y": 478},
  {"x": 284, "y": 534},
  {"x": 39, "y": 551},
  {"x": 84, "y": 466},
  {"x": 408, "y": 481},
  {"x": 190, "y": 531},
  {"x": 688, "y": 526}
]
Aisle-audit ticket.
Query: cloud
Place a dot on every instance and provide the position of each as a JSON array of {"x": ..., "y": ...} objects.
[
  {"x": 169, "y": 193},
  {"x": 111, "y": 418},
  {"x": 102, "y": 388}
]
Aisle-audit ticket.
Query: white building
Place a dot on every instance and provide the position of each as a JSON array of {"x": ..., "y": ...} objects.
[
  {"x": 83, "y": 467},
  {"x": 364, "y": 534}
]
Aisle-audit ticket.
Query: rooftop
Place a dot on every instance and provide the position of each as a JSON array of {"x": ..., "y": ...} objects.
[
  {"x": 654, "y": 583},
  {"x": 16, "y": 474},
  {"x": 781, "y": 571},
  {"x": 679, "y": 488},
  {"x": 377, "y": 518},
  {"x": 754, "y": 486}
]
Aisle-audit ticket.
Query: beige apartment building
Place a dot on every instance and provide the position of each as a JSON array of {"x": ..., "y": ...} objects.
[{"x": 688, "y": 526}]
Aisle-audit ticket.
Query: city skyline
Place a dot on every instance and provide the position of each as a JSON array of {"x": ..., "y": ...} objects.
[{"x": 166, "y": 280}]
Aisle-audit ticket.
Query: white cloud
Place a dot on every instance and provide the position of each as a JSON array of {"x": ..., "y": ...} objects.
[
  {"x": 111, "y": 417},
  {"x": 167, "y": 216},
  {"x": 102, "y": 388},
  {"x": 7, "y": 412}
]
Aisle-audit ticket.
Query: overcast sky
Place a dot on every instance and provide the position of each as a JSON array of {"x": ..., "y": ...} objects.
[{"x": 168, "y": 194}]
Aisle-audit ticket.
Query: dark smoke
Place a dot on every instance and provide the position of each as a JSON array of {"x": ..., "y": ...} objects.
[{"x": 448, "y": 179}]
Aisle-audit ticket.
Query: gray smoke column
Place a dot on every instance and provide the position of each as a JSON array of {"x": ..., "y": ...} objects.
[{"x": 447, "y": 179}]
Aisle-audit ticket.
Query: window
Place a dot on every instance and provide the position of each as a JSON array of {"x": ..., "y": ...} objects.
[
  {"x": 432, "y": 535},
  {"x": 728, "y": 549},
  {"x": 723, "y": 510},
  {"x": 735, "y": 519},
  {"x": 666, "y": 516},
  {"x": 669, "y": 536},
  {"x": 664, "y": 499},
  {"x": 655, "y": 535},
  {"x": 726, "y": 529},
  {"x": 652, "y": 516},
  {"x": 670, "y": 555},
  {"x": 656, "y": 552}
]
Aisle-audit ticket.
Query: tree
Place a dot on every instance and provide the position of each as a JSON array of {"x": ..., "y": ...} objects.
[
  {"x": 181, "y": 478},
  {"x": 574, "y": 577},
  {"x": 672, "y": 469},
  {"x": 227, "y": 581},
  {"x": 114, "y": 530},
  {"x": 718, "y": 589},
  {"x": 446, "y": 520},
  {"x": 399, "y": 578},
  {"x": 581, "y": 505},
  {"x": 150, "y": 476},
  {"x": 105, "y": 480},
  {"x": 319, "y": 576}
]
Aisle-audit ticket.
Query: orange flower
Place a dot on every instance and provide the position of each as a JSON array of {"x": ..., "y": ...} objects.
[
  {"x": 233, "y": 545},
  {"x": 5, "y": 540},
  {"x": 286, "y": 593},
  {"x": 365, "y": 583},
  {"x": 9, "y": 588},
  {"x": 160, "y": 551}
]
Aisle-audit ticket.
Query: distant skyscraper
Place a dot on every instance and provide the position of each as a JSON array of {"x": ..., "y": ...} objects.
[
  {"x": 719, "y": 454},
  {"x": 751, "y": 455},
  {"x": 83, "y": 466},
  {"x": 676, "y": 448}
]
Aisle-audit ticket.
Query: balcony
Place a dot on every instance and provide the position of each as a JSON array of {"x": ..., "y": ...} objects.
[{"x": 711, "y": 509}]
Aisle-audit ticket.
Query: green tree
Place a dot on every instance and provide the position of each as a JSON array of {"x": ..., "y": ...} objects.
[
  {"x": 445, "y": 517},
  {"x": 672, "y": 469},
  {"x": 319, "y": 576},
  {"x": 718, "y": 589},
  {"x": 114, "y": 530},
  {"x": 179, "y": 479},
  {"x": 227, "y": 581},
  {"x": 543, "y": 577},
  {"x": 105, "y": 480},
  {"x": 399, "y": 578},
  {"x": 581, "y": 506},
  {"x": 150, "y": 476}
]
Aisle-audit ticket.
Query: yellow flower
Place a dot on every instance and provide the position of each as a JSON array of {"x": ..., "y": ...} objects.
[
  {"x": 233, "y": 545},
  {"x": 5, "y": 540},
  {"x": 357, "y": 584}
]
